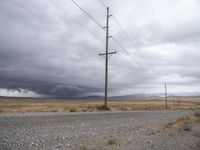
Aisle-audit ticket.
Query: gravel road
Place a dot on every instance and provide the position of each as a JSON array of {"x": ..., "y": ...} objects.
[{"x": 84, "y": 131}]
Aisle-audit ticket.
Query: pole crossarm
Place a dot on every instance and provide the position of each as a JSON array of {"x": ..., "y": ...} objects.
[{"x": 110, "y": 53}]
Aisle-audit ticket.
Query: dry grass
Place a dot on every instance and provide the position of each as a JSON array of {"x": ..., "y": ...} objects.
[
  {"x": 12, "y": 105},
  {"x": 184, "y": 123}
]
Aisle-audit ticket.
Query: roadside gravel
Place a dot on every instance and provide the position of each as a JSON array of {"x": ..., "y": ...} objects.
[{"x": 106, "y": 130}]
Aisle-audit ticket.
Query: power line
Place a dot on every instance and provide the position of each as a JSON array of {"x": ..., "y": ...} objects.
[
  {"x": 75, "y": 20},
  {"x": 44, "y": 20},
  {"x": 122, "y": 47},
  {"x": 132, "y": 58},
  {"x": 112, "y": 36},
  {"x": 133, "y": 44},
  {"x": 128, "y": 36},
  {"x": 36, "y": 15},
  {"x": 102, "y": 4},
  {"x": 83, "y": 10}
]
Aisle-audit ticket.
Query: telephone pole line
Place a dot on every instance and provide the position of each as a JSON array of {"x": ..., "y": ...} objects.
[
  {"x": 106, "y": 56},
  {"x": 166, "y": 95}
]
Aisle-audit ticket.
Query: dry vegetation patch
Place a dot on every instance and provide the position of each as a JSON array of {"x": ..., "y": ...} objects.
[
  {"x": 13, "y": 105},
  {"x": 184, "y": 123}
]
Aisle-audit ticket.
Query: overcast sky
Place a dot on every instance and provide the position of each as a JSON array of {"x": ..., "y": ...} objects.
[{"x": 47, "y": 52}]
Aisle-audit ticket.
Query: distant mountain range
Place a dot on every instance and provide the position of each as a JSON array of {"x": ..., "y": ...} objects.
[
  {"x": 133, "y": 96},
  {"x": 142, "y": 96}
]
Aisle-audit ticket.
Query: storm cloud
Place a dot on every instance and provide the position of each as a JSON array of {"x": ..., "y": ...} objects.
[{"x": 45, "y": 52}]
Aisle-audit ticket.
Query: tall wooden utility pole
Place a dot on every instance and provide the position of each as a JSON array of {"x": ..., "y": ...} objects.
[
  {"x": 106, "y": 58},
  {"x": 166, "y": 95}
]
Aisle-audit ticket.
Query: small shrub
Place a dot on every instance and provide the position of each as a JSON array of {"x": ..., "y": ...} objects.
[
  {"x": 73, "y": 110},
  {"x": 169, "y": 124},
  {"x": 54, "y": 111},
  {"x": 198, "y": 144},
  {"x": 187, "y": 127},
  {"x": 84, "y": 110},
  {"x": 112, "y": 142},
  {"x": 102, "y": 107},
  {"x": 90, "y": 109},
  {"x": 197, "y": 114},
  {"x": 123, "y": 109}
]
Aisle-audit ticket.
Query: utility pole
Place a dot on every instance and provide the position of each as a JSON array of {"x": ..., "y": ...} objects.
[
  {"x": 106, "y": 57},
  {"x": 177, "y": 100},
  {"x": 166, "y": 95},
  {"x": 174, "y": 101}
]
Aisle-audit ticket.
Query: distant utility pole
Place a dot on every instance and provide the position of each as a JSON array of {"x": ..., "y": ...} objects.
[
  {"x": 166, "y": 95},
  {"x": 177, "y": 99},
  {"x": 174, "y": 101},
  {"x": 106, "y": 56}
]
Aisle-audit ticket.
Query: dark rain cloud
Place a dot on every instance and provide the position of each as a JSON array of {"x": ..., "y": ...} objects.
[{"x": 56, "y": 57}]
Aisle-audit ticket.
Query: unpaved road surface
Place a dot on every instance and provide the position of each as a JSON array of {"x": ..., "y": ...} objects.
[{"x": 107, "y": 130}]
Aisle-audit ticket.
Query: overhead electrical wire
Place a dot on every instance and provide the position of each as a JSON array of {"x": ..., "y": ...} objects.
[
  {"x": 83, "y": 10},
  {"x": 75, "y": 20},
  {"x": 121, "y": 46},
  {"x": 127, "y": 35},
  {"x": 133, "y": 59},
  {"x": 45, "y": 20},
  {"x": 58, "y": 28},
  {"x": 36, "y": 15},
  {"x": 129, "y": 38},
  {"x": 103, "y": 4}
]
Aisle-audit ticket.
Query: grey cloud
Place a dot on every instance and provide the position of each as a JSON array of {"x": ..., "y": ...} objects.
[{"x": 36, "y": 56}]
